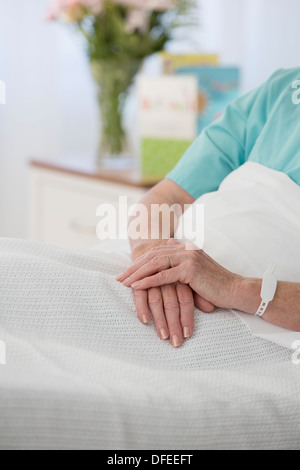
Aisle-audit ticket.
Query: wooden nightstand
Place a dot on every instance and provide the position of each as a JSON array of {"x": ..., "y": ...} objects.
[{"x": 64, "y": 198}]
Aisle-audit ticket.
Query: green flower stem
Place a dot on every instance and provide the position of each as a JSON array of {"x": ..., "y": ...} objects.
[
  {"x": 114, "y": 79},
  {"x": 113, "y": 134}
]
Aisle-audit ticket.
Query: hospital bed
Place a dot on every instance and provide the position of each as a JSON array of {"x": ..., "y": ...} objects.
[{"x": 82, "y": 372}]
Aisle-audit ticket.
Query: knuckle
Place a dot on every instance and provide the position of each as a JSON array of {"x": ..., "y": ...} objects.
[
  {"x": 162, "y": 276},
  {"x": 139, "y": 294},
  {"x": 155, "y": 260},
  {"x": 171, "y": 304},
  {"x": 171, "y": 301},
  {"x": 155, "y": 300},
  {"x": 185, "y": 294},
  {"x": 185, "y": 300},
  {"x": 149, "y": 256},
  {"x": 154, "y": 250}
]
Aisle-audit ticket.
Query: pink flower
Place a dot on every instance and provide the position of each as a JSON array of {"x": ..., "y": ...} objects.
[
  {"x": 137, "y": 19},
  {"x": 138, "y": 15},
  {"x": 150, "y": 5},
  {"x": 73, "y": 10}
]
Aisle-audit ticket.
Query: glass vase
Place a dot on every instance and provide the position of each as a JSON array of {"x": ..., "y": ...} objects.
[{"x": 114, "y": 78}]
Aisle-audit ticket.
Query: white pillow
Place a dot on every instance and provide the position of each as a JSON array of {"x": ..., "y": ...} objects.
[{"x": 253, "y": 220}]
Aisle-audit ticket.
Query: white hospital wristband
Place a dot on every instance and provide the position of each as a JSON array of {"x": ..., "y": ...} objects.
[{"x": 268, "y": 290}]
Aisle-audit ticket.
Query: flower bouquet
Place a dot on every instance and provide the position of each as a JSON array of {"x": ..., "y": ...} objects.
[{"x": 119, "y": 34}]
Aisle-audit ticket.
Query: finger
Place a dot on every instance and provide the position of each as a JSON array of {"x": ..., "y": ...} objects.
[
  {"x": 160, "y": 262},
  {"x": 171, "y": 276},
  {"x": 155, "y": 300},
  {"x": 187, "y": 309},
  {"x": 160, "y": 248},
  {"x": 173, "y": 242},
  {"x": 141, "y": 303},
  {"x": 156, "y": 265},
  {"x": 172, "y": 314},
  {"x": 143, "y": 260},
  {"x": 147, "y": 258},
  {"x": 203, "y": 305}
]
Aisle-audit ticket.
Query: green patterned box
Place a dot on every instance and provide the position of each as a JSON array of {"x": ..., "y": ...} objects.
[
  {"x": 168, "y": 122},
  {"x": 159, "y": 156}
]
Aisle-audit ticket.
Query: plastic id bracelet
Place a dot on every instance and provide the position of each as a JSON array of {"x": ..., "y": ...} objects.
[{"x": 268, "y": 290}]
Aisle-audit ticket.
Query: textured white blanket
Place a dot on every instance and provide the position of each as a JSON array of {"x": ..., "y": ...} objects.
[{"x": 82, "y": 372}]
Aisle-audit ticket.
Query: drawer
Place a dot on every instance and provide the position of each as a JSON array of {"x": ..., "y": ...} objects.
[
  {"x": 68, "y": 218},
  {"x": 64, "y": 208}
]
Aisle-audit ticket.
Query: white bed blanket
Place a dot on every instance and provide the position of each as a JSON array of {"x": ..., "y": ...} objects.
[{"x": 83, "y": 373}]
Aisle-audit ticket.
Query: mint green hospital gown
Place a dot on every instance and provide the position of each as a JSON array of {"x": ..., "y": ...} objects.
[{"x": 262, "y": 126}]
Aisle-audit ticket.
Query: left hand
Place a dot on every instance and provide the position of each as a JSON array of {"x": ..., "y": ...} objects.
[{"x": 187, "y": 265}]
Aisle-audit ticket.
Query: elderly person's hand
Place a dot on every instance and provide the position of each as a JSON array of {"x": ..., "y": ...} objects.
[
  {"x": 186, "y": 265},
  {"x": 172, "y": 306}
]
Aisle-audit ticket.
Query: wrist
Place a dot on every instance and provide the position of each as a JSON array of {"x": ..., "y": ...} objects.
[{"x": 246, "y": 297}]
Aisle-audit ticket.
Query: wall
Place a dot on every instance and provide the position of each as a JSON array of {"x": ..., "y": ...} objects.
[
  {"x": 259, "y": 35},
  {"x": 51, "y": 108}
]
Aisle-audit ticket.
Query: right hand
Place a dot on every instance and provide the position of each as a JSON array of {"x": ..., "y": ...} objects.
[{"x": 172, "y": 308}]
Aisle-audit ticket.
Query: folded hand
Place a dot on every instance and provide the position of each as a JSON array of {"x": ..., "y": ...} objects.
[{"x": 186, "y": 265}]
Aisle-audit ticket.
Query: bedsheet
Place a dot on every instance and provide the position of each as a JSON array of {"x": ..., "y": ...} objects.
[{"x": 83, "y": 373}]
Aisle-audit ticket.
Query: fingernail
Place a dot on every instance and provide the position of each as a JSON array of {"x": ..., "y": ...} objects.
[
  {"x": 118, "y": 278},
  {"x": 145, "y": 319},
  {"x": 187, "y": 332},
  {"x": 135, "y": 285},
  {"x": 127, "y": 282},
  {"x": 175, "y": 341},
  {"x": 164, "y": 334}
]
